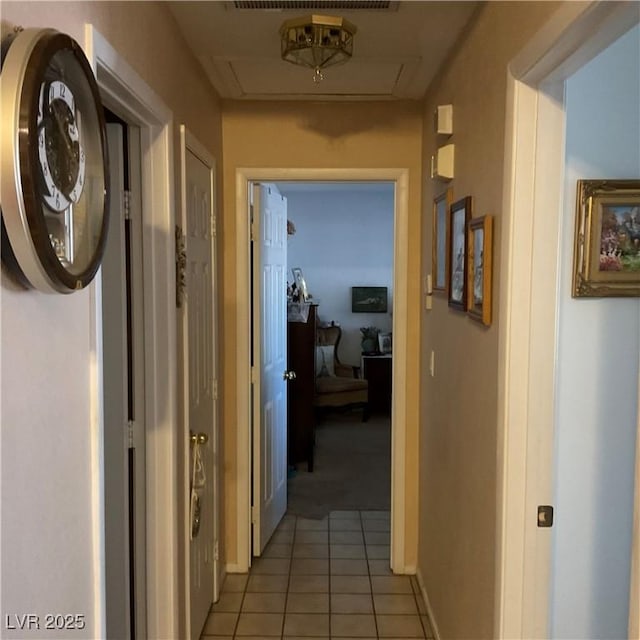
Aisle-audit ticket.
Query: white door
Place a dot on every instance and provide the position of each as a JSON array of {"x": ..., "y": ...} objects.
[
  {"x": 269, "y": 362},
  {"x": 199, "y": 382},
  {"x": 116, "y": 399}
]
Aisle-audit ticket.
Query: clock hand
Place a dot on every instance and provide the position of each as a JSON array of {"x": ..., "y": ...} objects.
[{"x": 64, "y": 131}]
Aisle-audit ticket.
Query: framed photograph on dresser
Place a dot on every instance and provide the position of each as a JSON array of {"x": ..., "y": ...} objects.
[
  {"x": 384, "y": 343},
  {"x": 301, "y": 284}
]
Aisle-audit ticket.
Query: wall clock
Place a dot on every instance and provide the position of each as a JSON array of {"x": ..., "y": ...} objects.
[{"x": 54, "y": 163}]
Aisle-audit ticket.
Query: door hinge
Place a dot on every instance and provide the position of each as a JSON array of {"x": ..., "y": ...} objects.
[
  {"x": 130, "y": 434},
  {"x": 215, "y": 389},
  {"x": 216, "y": 551},
  {"x": 253, "y": 375},
  {"x": 545, "y": 515},
  {"x": 253, "y": 514},
  {"x": 126, "y": 204},
  {"x": 214, "y": 226},
  {"x": 181, "y": 266}
]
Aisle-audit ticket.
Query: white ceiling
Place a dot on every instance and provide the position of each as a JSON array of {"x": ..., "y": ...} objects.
[{"x": 397, "y": 51}]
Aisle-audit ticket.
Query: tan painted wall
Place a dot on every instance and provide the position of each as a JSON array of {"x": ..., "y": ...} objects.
[
  {"x": 147, "y": 36},
  {"x": 317, "y": 135},
  {"x": 58, "y": 561},
  {"x": 458, "y": 438}
]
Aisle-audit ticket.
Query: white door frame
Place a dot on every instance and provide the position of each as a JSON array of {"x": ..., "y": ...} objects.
[
  {"x": 125, "y": 92},
  {"x": 534, "y": 183},
  {"x": 189, "y": 142},
  {"x": 634, "y": 590},
  {"x": 400, "y": 177}
]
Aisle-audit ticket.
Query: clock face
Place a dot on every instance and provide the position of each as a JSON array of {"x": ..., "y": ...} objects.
[
  {"x": 60, "y": 152},
  {"x": 55, "y": 228}
]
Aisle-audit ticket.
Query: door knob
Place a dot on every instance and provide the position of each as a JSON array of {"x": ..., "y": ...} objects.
[
  {"x": 200, "y": 438},
  {"x": 289, "y": 375}
]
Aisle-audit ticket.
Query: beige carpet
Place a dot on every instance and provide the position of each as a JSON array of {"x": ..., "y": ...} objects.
[{"x": 352, "y": 468}]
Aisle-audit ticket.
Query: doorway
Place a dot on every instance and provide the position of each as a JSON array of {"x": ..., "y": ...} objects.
[
  {"x": 542, "y": 186},
  {"x": 124, "y": 92},
  {"x": 123, "y": 384},
  {"x": 340, "y": 237},
  {"x": 399, "y": 177}
]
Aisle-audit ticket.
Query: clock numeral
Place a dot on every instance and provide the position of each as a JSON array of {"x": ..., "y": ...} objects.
[
  {"x": 62, "y": 90},
  {"x": 52, "y": 93}
]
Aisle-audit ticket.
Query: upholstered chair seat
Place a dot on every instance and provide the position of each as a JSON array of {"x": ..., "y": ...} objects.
[{"x": 337, "y": 385}]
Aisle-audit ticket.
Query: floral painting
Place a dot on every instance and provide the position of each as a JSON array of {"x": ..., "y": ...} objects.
[
  {"x": 607, "y": 238},
  {"x": 620, "y": 238}
]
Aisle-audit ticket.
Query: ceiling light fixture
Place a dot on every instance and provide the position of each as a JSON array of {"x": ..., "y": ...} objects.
[{"x": 317, "y": 42}]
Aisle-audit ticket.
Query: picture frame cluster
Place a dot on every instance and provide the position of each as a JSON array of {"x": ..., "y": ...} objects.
[
  {"x": 606, "y": 251},
  {"x": 462, "y": 256}
]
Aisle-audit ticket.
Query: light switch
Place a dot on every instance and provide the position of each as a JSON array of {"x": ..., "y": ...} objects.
[{"x": 432, "y": 364}]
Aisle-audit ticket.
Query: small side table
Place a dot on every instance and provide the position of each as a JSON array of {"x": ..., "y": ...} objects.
[{"x": 377, "y": 370}]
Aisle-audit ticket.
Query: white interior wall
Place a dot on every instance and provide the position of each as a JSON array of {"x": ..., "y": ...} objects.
[
  {"x": 597, "y": 384},
  {"x": 344, "y": 238},
  {"x": 50, "y": 553}
]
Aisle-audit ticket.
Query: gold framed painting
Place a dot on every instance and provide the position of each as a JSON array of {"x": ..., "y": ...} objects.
[
  {"x": 606, "y": 259},
  {"x": 439, "y": 222},
  {"x": 480, "y": 269}
]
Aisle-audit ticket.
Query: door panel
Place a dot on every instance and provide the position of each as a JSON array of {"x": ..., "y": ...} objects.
[
  {"x": 270, "y": 358},
  {"x": 114, "y": 335},
  {"x": 198, "y": 384}
]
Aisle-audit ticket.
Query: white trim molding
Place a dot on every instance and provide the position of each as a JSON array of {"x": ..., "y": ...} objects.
[
  {"x": 125, "y": 92},
  {"x": 399, "y": 403},
  {"x": 634, "y": 589},
  {"x": 97, "y": 457}
]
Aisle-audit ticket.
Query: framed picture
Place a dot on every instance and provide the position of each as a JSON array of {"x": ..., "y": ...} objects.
[
  {"x": 479, "y": 268},
  {"x": 439, "y": 240},
  {"x": 606, "y": 259},
  {"x": 368, "y": 299},
  {"x": 301, "y": 285},
  {"x": 459, "y": 215},
  {"x": 384, "y": 342}
]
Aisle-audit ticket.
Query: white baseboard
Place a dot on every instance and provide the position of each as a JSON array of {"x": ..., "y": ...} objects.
[
  {"x": 234, "y": 568},
  {"x": 425, "y": 598}
]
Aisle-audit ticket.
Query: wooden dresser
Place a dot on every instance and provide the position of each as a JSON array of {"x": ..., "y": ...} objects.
[{"x": 301, "y": 351}]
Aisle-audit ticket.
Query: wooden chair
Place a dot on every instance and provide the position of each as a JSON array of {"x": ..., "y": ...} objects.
[{"x": 337, "y": 385}]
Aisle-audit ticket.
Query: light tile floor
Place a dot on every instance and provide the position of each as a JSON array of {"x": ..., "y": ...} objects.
[{"x": 320, "y": 579}]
